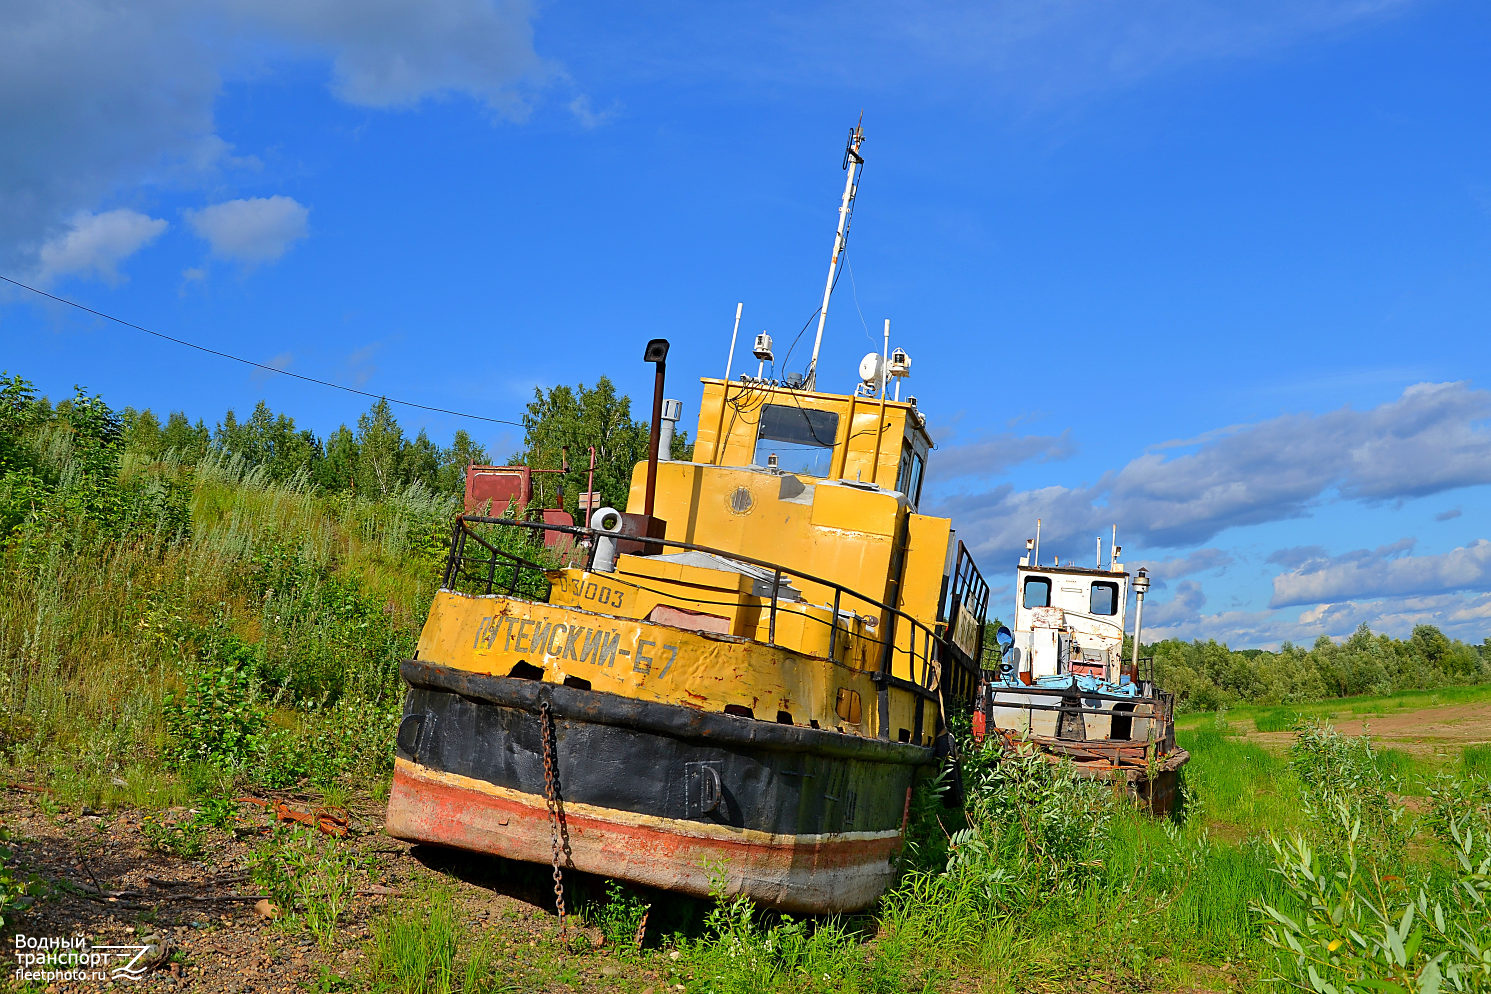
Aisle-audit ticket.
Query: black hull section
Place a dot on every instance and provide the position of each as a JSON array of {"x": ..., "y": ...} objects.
[{"x": 654, "y": 759}]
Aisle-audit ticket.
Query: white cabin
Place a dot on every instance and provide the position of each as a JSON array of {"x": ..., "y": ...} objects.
[{"x": 1069, "y": 619}]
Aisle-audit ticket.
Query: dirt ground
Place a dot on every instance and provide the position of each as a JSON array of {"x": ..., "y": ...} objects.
[
  {"x": 1437, "y": 731},
  {"x": 101, "y": 878}
]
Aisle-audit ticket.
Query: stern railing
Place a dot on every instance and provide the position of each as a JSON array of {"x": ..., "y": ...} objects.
[{"x": 1025, "y": 698}]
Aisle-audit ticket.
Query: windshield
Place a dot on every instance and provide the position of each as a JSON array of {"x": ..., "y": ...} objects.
[{"x": 802, "y": 439}]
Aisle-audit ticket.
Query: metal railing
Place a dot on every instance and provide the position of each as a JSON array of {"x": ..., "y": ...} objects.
[
  {"x": 1162, "y": 703},
  {"x": 505, "y": 569},
  {"x": 968, "y": 593}
]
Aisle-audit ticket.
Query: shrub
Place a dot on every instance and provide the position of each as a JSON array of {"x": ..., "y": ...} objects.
[
  {"x": 1363, "y": 930},
  {"x": 218, "y": 719},
  {"x": 324, "y": 636},
  {"x": 619, "y": 917},
  {"x": 1031, "y": 817},
  {"x": 1343, "y": 773},
  {"x": 1456, "y": 798}
]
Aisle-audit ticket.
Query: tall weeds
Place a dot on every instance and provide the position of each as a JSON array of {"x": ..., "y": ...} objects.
[{"x": 257, "y": 626}]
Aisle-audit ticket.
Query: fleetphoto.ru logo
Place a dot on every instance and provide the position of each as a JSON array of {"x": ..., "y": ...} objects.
[{"x": 51, "y": 959}]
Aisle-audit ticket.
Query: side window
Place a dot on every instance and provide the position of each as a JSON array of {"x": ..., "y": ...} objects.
[
  {"x": 909, "y": 477},
  {"x": 1037, "y": 591},
  {"x": 1104, "y": 598}
]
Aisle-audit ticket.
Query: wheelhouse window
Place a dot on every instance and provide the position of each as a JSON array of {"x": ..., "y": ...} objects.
[
  {"x": 801, "y": 438},
  {"x": 1104, "y": 598},
  {"x": 1037, "y": 591},
  {"x": 909, "y": 478}
]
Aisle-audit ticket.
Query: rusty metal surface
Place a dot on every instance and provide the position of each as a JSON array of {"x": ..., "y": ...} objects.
[
  {"x": 1150, "y": 771},
  {"x": 807, "y": 874}
]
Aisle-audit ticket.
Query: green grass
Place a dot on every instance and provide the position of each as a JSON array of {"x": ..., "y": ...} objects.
[
  {"x": 1397, "y": 763},
  {"x": 96, "y": 636},
  {"x": 1243, "y": 788},
  {"x": 1475, "y": 761},
  {"x": 1162, "y": 904},
  {"x": 120, "y": 662},
  {"x": 1276, "y": 719},
  {"x": 1237, "y": 785},
  {"x": 421, "y": 945}
]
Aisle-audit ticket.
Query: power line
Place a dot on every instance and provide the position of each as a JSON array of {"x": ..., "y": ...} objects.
[{"x": 256, "y": 365}]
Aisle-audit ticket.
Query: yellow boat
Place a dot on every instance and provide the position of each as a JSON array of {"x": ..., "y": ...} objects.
[{"x": 733, "y": 686}]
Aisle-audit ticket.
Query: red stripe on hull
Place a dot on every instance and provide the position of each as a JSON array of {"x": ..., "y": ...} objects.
[{"x": 816, "y": 874}]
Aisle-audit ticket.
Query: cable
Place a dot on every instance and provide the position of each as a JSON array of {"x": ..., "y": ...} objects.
[
  {"x": 843, "y": 249},
  {"x": 257, "y": 365},
  {"x": 806, "y": 324},
  {"x": 838, "y": 275},
  {"x": 855, "y": 291}
]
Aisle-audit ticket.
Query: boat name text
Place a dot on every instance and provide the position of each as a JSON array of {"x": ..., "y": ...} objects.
[{"x": 582, "y": 643}]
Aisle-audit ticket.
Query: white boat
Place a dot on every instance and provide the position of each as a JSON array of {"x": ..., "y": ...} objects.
[{"x": 1063, "y": 685}]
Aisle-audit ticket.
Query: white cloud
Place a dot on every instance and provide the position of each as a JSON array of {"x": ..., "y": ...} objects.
[
  {"x": 1199, "y": 561},
  {"x": 281, "y": 361},
  {"x": 1466, "y": 616},
  {"x": 394, "y": 53},
  {"x": 251, "y": 231},
  {"x": 587, "y": 115},
  {"x": 1185, "y": 606},
  {"x": 1386, "y": 588},
  {"x": 1070, "y": 44},
  {"x": 99, "y": 96},
  {"x": 1385, "y": 572},
  {"x": 1308, "y": 558},
  {"x": 1016, "y": 52},
  {"x": 94, "y": 96},
  {"x": 992, "y": 454},
  {"x": 1433, "y": 438},
  {"x": 95, "y": 244}
]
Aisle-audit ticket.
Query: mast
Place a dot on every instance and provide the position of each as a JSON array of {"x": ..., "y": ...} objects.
[{"x": 852, "y": 161}]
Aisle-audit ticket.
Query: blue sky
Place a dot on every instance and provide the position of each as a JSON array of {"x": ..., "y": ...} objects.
[{"x": 1217, "y": 272}]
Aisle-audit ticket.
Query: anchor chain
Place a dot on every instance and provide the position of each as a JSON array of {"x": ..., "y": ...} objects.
[{"x": 551, "y": 798}]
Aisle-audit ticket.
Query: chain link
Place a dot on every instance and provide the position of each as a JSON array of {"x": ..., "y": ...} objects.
[{"x": 551, "y": 798}]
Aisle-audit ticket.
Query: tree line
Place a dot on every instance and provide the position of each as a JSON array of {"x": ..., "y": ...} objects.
[
  {"x": 378, "y": 456},
  {"x": 375, "y": 458},
  {"x": 1205, "y": 675}
]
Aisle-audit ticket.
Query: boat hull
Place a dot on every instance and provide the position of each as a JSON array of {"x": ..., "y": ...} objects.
[{"x": 795, "y": 818}]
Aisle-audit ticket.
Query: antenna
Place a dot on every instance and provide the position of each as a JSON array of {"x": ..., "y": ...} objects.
[
  {"x": 852, "y": 161},
  {"x": 731, "y": 357},
  {"x": 884, "y": 362}
]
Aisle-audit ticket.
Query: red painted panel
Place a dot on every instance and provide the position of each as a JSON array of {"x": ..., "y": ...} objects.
[
  {"x": 499, "y": 484},
  {"x": 816, "y": 874}
]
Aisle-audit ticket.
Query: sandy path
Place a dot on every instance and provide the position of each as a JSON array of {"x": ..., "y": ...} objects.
[{"x": 1427, "y": 731}]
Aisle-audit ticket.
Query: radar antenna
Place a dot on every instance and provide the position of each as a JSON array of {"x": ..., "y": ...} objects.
[{"x": 852, "y": 161}]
